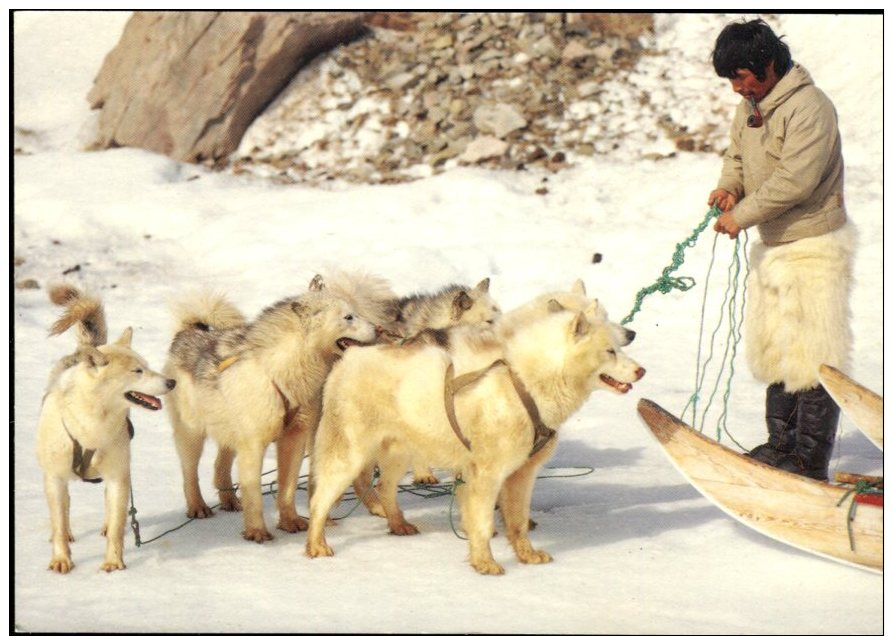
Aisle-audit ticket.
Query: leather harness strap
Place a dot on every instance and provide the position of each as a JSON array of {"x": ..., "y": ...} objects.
[
  {"x": 290, "y": 411},
  {"x": 452, "y": 385},
  {"x": 80, "y": 460},
  {"x": 226, "y": 363}
]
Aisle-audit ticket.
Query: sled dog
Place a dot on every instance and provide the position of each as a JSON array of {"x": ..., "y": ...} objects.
[
  {"x": 494, "y": 426},
  {"x": 247, "y": 385},
  {"x": 84, "y": 430},
  {"x": 453, "y": 305},
  {"x": 478, "y": 346}
]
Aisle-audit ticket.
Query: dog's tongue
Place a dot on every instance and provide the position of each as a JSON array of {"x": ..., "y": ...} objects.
[
  {"x": 623, "y": 387},
  {"x": 146, "y": 401},
  {"x": 344, "y": 343}
]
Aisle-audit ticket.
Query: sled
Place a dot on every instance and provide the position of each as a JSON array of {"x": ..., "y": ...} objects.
[
  {"x": 863, "y": 406},
  {"x": 804, "y": 513}
]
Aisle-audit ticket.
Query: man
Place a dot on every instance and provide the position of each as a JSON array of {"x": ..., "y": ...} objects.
[{"x": 783, "y": 173}]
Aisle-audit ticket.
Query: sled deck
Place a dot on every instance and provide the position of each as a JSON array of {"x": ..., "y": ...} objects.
[
  {"x": 811, "y": 515},
  {"x": 863, "y": 406}
]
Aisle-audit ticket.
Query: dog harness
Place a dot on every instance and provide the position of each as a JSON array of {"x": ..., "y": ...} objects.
[
  {"x": 290, "y": 411},
  {"x": 452, "y": 385},
  {"x": 80, "y": 461}
]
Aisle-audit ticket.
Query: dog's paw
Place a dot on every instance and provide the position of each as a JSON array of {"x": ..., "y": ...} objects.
[
  {"x": 258, "y": 535},
  {"x": 403, "y": 529},
  {"x": 292, "y": 524},
  {"x": 199, "y": 512},
  {"x": 62, "y": 565},
  {"x": 487, "y": 566},
  {"x": 230, "y": 503},
  {"x": 113, "y": 564},
  {"x": 535, "y": 557},
  {"x": 425, "y": 479},
  {"x": 376, "y": 509},
  {"x": 318, "y": 549}
]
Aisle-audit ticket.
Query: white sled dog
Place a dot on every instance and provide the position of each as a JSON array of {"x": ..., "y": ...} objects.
[
  {"x": 248, "y": 385},
  {"x": 403, "y": 318},
  {"x": 478, "y": 345},
  {"x": 494, "y": 425},
  {"x": 452, "y": 306},
  {"x": 84, "y": 430}
]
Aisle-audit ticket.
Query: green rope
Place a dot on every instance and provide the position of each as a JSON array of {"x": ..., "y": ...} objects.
[
  {"x": 731, "y": 311},
  {"x": 666, "y": 283},
  {"x": 426, "y": 491},
  {"x": 862, "y": 486}
]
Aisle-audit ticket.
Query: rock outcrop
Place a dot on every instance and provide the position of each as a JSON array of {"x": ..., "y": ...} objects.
[{"x": 189, "y": 83}]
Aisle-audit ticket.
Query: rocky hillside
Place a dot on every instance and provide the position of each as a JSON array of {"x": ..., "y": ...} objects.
[{"x": 423, "y": 93}]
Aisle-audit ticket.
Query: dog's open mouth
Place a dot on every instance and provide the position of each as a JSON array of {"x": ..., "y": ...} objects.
[
  {"x": 345, "y": 343},
  {"x": 617, "y": 385},
  {"x": 146, "y": 401}
]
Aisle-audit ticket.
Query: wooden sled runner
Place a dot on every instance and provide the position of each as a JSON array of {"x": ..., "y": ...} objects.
[
  {"x": 804, "y": 513},
  {"x": 863, "y": 406}
]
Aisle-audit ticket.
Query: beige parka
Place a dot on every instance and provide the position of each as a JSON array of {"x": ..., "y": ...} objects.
[{"x": 788, "y": 173}]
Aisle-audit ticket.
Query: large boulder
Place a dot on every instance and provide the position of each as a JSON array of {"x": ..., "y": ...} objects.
[{"x": 188, "y": 84}]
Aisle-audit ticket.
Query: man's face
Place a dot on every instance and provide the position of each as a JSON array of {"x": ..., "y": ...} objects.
[{"x": 746, "y": 84}]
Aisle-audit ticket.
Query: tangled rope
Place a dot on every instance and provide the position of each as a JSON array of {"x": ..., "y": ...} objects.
[
  {"x": 666, "y": 283},
  {"x": 862, "y": 487},
  {"x": 731, "y": 313},
  {"x": 426, "y": 491}
]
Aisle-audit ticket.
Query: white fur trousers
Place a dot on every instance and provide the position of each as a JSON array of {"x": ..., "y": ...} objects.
[{"x": 797, "y": 312}]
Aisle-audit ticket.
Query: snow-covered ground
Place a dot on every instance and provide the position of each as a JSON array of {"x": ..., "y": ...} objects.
[{"x": 637, "y": 549}]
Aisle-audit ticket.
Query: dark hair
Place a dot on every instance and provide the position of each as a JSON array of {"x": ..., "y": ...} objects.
[{"x": 750, "y": 45}]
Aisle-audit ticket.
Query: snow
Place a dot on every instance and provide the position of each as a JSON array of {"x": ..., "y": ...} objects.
[{"x": 636, "y": 548}]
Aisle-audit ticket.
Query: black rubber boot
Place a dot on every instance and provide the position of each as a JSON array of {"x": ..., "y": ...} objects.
[
  {"x": 817, "y": 417},
  {"x": 781, "y": 415}
]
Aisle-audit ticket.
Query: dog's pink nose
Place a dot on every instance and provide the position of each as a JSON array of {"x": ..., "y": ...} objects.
[{"x": 639, "y": 373}]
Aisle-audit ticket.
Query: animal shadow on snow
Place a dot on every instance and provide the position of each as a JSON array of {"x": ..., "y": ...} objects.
[{"x": 624, "y": 511}]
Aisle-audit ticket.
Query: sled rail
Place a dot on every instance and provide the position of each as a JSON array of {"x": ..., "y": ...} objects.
[{"x": 804, "y": 513}]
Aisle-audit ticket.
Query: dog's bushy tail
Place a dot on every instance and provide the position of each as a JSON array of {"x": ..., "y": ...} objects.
[
  {"x": 206, "y": 311},
  {"x": 81, "y": 309}
]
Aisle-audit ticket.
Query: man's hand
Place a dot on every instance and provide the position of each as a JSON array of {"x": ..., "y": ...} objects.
[
  {"x": 725, "y": 223},
  {"x": 723, "y": 199}
]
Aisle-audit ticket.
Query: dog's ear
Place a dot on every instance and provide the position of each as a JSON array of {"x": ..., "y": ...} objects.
[
  {"x": 579, "y": 287},
  {"x": 126, "y": 337},
  {"x": 462, "y": 302},
  {"x": 316, "y": 283},
  {"x": 299, "y": 308},
  {"x": 484, "y": 285},
  {"x": 580, "y": 326},
  {"x": 91, "y": 357},
  {"x": 554, "y": 306}
]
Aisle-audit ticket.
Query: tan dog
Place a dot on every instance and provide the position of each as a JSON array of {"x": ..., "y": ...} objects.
[
  {"x": 84, "y": 430},
  {"x": 248, "y": 385},
  {"x": 387, "y": 403}
]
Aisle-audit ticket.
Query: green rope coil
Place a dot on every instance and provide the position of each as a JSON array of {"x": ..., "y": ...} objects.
[
  {"x": 862, "y": 486},
  {"x": 667, "y": 283}
]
